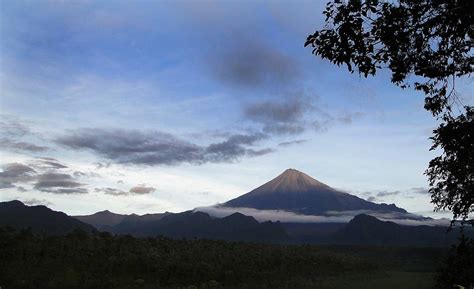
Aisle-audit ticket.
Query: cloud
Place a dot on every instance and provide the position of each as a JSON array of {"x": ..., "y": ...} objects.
[
  {"x": 137, "y": 190},
  {"x": 15, "y": 173},
  {"x": 294, "y": 114},
  {"x": 380, "y": 195},
  {"x": 12, "y": 130},
  {"x": 234, "y": 148},
  {"x": 387, "y": 193},
  {"x": 420, "y": 190},
  {"x": 133, "y": 146},
  {"x": 15, "y": 170},
  {"x": 141, "y": 190},
  {"x": 47, "y": 163},
  {"x": 66, "y": 191},
  {"x": 279, "y": 117},
  {"x": 45, "y": 174},
  {"x": 251, "y": 64},
  {"x": 12, "y": 127},
  {"x": 36, "y": 202},
  {"x": 53, "y": 180},
  {"x": 272, "y": 215},
  {"x": 158, "y": 148},
  {"x": 100, "y": 165},
  {"x": 79, "y": 174},
  {"x": 327, "y": 120},
  {"x": 111, "y": 191},
  {"x": 293, "y": 142},
  {"x": 6, "y": 185},
  {"x": 348, "y": 118},
  {"x": 21, "y": 146},
  {"x": 329, "y": 217}
]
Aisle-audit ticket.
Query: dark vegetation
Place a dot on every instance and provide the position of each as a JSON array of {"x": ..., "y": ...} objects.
[
  {"x": 368, "y": 230},
  {"x": 426, "y": 45},
  {"x": 101, "y": 260},
  {"x": 458, "y": 266}
]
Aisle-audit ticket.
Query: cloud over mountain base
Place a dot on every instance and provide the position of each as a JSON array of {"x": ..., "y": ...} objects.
[{"x": 407, "y": 219}]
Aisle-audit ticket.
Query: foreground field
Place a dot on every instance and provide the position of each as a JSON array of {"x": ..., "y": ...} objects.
[{"x": 100, "y": 260}]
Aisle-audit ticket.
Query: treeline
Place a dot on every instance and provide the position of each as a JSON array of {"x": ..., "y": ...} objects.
[{"x": 101, "y": 260}]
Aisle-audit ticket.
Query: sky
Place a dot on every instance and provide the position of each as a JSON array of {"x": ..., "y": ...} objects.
[{"x": 152, "y": 106}]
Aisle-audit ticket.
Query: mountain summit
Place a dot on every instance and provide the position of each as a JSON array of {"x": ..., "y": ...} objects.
[
  {"x": 297, "y": 192},
  {"x": 291, "y": 181}
]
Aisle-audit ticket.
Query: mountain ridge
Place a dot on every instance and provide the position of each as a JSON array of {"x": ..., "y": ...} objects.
[
  {"x": 39, "y": 219},
  {"x": 361, "y": 230}
]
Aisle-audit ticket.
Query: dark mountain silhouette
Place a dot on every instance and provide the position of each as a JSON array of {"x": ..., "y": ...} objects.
[
  {"x": 102, "y": 220},
  {"x": 107, "y": 221},
  {"x": 38, "y": 219},
  {"x": 297, "y": 192},
  {"x": 367, "y": 230},
  {"x": 136, "y": 224},
  {"x": 236, "y": 227},
  {"x": 361, "y": 230}
]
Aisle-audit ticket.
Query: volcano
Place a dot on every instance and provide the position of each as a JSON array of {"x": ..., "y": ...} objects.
[{"x": 297, "y": 192}]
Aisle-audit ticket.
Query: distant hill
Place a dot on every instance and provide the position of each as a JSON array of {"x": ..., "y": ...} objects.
[
  {"x": 297, "y": 192},
  {"x": 38, "y": 219},
  {"x": 189, "y": 224},
  {"x": 361, "y": 230},
  {"x": 137, "y": 225},
  {"x": 236, "y": 227},
  {"x": 367, "y": 230},
  {"x": 102, "y": 220}
]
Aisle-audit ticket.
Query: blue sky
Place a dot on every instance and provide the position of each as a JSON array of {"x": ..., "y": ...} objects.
[{"x": 149, "y": 106}]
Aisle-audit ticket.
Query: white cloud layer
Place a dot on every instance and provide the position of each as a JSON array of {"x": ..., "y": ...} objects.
[{"x": 331, "y": 217}]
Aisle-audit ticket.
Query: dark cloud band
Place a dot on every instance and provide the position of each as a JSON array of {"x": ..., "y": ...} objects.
[{"x": 157, "y": 148}]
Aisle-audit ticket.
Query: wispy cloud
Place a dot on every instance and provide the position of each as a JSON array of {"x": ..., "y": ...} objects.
[
  {"x": 47, "y": 163},
  {"x": 420, "y": 190},
  {"x": 37, "y": 202},
  {"x": 279, "y": 117},
  {"x": 43, "y": 174},
  {"x": 158, "y": 148},
  {"x": 15, "y": 173},
  {"x": 330, "y": 217},
  {"x": 293, "y": 142},
  {"x": 293, "y": 114},
  {"x": 387, "y": 193},
  {"x": 50, "y": 182},
  {"x": 141, "y": 190},
  {"x": 136, "y": 190},
  {"x": 14, "y": 134},
  {"x": 255, "y": 65},
  {"x": 111, "y": 191},
  {"x": 21, "y": 146},
  {"x": 376, "y": 196}
]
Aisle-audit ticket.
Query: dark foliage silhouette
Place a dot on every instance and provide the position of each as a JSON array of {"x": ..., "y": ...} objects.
[
  {"x": 451, "y": 175},
  {"x": 101, "y": 260},
  {"x": 458, "y": 267},
  {"x": 426, "y": 45}
]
